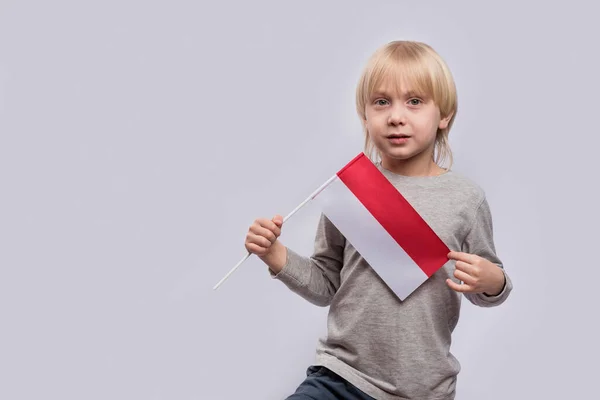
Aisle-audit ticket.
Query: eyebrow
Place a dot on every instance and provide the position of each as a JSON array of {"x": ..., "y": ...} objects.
[{"x": 409, "y": 93}]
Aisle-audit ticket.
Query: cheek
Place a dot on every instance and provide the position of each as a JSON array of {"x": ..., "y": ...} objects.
[
  {"x": 426, "y": 126},
  {"x": 368, "y": 123},
  {"x": 374, "y": 123}
]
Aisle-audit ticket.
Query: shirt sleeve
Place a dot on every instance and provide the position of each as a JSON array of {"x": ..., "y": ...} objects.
[
  {"x": 316, "y": 278},
  {"x": 480, "y": 241}
]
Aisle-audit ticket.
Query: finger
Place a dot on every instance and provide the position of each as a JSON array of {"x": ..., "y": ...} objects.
[
  {"x": 460, "y": 256},
  {"x": 259, "y": 240},
  {"x": 255, "y": 249},
  {"x": 271, "y": 226},
  {"x": 258, "y": 230},
  {"x": 466, "y": 268},
  {"x": 278, "y": 220},
  {"x": 464, "y": 288},
  {"x": 466, "y": 278},
  {"x": 277, "y": 223}
]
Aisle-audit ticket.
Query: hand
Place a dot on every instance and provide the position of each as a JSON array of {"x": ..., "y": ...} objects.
[
  {"x": 477, "y": 274},
  {"x": 263, "y": 233}
]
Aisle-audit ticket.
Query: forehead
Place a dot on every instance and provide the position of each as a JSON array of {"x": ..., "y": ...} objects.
[{"x": 397, "y": 85}]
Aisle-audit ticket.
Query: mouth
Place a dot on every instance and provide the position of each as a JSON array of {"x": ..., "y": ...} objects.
[{"x": 398, "y": 139}]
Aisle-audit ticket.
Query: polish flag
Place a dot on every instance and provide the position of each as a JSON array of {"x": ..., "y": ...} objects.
[{"x": 382, "y": 226}]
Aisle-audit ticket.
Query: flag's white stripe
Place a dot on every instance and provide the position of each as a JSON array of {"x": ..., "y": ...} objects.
[{"x": 370, "y": 239}]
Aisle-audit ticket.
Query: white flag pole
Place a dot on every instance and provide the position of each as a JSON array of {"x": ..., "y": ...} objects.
[{"x": 312, "y": 196}]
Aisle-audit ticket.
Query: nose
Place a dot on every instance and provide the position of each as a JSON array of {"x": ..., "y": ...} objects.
[{"x": 397, "y": 115}]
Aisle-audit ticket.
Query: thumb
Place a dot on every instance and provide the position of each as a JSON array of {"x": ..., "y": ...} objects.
[{"x": 278, "y": 219}]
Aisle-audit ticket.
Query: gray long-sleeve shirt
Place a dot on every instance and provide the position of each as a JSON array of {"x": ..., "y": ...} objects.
[{"x": 392, "y": 349}]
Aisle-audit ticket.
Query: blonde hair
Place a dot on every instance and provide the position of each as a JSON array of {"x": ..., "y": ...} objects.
[{"x": 425, "y": 71}]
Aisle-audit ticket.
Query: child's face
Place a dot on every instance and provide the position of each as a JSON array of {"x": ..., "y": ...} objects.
[{"x": 401, "y": 124}]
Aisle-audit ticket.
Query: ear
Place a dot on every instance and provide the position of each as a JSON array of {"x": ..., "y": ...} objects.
[{"x": 445, "y": 121}]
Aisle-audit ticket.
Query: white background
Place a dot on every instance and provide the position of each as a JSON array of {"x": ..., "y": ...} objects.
[{"x": 139, "y": 139}]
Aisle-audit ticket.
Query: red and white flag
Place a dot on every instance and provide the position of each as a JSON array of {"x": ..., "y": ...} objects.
[{"x": 382, "y": 226}]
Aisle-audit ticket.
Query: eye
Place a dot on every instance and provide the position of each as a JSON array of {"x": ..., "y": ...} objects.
[
  {"x": 381, "y": 102},
  {"x": 415, "y": 102}
]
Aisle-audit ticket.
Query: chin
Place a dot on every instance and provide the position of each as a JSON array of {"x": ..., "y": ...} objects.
[{"x": 397, "y": 155}]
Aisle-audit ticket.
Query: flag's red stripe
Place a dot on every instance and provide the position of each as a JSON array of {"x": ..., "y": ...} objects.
[{"x": 394, "y": 213}]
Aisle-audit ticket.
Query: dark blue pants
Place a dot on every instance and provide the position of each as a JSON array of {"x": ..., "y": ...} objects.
[{"x": 323, "y": 384}]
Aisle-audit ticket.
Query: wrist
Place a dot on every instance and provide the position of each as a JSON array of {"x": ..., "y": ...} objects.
[
  {"x": 276, "y": 257},
  {"x": 497, "y": 289}
]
